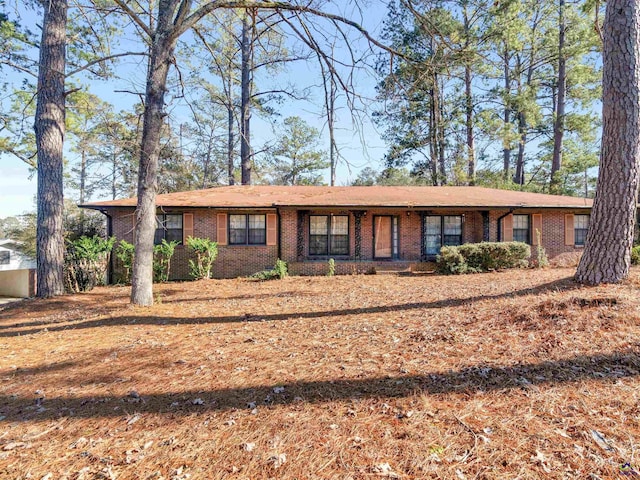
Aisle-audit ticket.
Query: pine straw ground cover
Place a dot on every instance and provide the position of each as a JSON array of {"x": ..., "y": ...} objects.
[{"x": 519, "y": 374}]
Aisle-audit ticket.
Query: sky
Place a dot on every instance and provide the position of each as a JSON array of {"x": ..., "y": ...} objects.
[{"x": 361, "y": 146}]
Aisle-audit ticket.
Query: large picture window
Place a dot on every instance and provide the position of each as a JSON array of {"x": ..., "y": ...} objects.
[
  {"x": 580, "y": 228},
  {"x": 247, "y": 229},
  {"x": 328, "y": 235},
  {"x": 168, "y": 227},
  {"x": 441, "y": 230},
  {"x": 521, "y": 229}
]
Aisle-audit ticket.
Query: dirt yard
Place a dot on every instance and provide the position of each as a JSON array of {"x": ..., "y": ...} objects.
[{"x": 520, "y": 374}]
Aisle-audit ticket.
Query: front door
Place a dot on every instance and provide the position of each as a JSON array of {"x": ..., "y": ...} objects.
[{"x": 382, "y": 237}]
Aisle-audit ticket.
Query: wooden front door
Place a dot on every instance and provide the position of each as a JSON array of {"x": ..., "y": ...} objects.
[{"x": 382, "y": 238}]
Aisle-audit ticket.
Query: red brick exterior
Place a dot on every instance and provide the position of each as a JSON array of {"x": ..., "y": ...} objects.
[{"x": 234, "y": 261}]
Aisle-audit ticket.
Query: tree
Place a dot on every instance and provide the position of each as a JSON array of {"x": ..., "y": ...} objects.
[
  {"x": 296, "y": 159},
  {"x": 607, "y": 253},
  {"x": 49, "y": 129},
  {"x": 173, "y": 18}
]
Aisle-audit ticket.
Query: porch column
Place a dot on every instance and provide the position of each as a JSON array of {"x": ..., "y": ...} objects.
[
  {"x": 423, "y": 247},
  {"x": 300, "y": 235},
  {"x": 485, "y": 226},
  {"x": 357, "y": 216}
]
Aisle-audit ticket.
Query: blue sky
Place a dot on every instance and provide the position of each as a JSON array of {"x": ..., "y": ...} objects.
[{"x": 362, "y": 147}]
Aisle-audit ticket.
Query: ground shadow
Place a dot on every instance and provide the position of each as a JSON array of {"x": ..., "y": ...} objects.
[
  {"x": 602, "y": 368},
  {"x": 565, "y": 284}
]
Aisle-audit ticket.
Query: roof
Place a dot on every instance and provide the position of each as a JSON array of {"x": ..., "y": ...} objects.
[{"x": 267, "y": 196}]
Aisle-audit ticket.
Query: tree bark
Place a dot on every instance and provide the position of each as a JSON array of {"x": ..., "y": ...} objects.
[
  {"x": 506, "y": 151},
  {"x": 558, "y": 124},
  {"x": 607, "y": 253},
  {"x": 471, "y": 154},
  {"x": 145, "y": 216},
  {"x": 245, "y": 98},
  {"x": 49, "y": 131},
  {"x": 230, "y": 138}
]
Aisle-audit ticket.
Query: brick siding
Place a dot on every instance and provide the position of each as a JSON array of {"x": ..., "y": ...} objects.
[{"x": 243, "y": 260}]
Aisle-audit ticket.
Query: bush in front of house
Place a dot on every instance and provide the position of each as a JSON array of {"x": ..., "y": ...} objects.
[
  {"x": 162, "y": 255},
  {"x": 206, "y": 253},
  {"x": 124, "y": 253},
  {"x": 483, "y": 257},
  {"x": 635, "y": 255},
  {"x": 85, "y": 262},
  {"x": 280, "y": 270}
]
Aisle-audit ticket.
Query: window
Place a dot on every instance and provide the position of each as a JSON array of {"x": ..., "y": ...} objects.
[
  {"x": 521, "y": 230},
  {"x": 328, "y": 235},
  {"x": 580, "y": 228},
  {"x": 247, "y": 229},
  {"x": 168, "y": 227},
  {"x": 5, "y": 257},
  {"x": 441, "y": 230}
]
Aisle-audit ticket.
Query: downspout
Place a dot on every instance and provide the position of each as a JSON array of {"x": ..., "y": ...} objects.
[
  {"x": 511, "y": 210},
  {"x": 279, "y": 233},
  {"x": 109, "y": 235}
]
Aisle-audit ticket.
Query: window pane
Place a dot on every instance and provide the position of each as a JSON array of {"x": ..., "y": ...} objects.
[
  {"x": 581, "y": 221},
  {"x": 453, "y": 225},
  {"x": 173, "y": 234},
  {"x": 257, "y": 229},
  {"x": 318, "y": 245},
  {"x": 580, "y": 236},
  {"x": 339, "y": 244},
  {"x": 173, "y": 221},
  {"x": 521, "y": 221},
  {"x": 237, "y": 229},
  {"x": 318, "y": 225},
  {"x": 521, "y": 235},
  {"x": 340, "y": 225},
  {"x": 433, "y": 234}
]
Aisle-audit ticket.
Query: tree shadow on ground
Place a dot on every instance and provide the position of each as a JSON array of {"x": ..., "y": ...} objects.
[
  {"x": 480, "y": 378},
  {"x": 565, "y": 284}
]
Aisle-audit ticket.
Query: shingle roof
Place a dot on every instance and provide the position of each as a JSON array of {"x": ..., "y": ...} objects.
[{"x": 255, "y": 196}]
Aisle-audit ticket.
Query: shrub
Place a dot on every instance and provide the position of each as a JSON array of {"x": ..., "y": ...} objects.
[
  {"x": 483, "y": 257},
  {"x": 206, "y": 253},
  {"x": 124, "y": 253},
  {"x": 332, "y": 268},
  {"x": 450, "y": 261},
  {"x": 85, "y": 263},
  {"x": 162, "y": 260},
  {"x": 279, "y": 270},
  {"x": 541, "y": 259},
  {"x": 635, "y": 255}
]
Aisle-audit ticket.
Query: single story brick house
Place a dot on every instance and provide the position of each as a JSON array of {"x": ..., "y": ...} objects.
[{"x": 359, "y": 227}]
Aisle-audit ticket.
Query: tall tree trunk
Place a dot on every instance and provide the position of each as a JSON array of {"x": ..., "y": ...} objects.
[
  {"x": 230, "y": 139},
  {"x": 506, "y": 151},
  {"x": 471, "y": 151},
  {"x": 83, "y": 176},
  {"x": 468, "y": 93},
  {"x": 558, "y": 124},
  {"x": 441, "y": 136},
  {"x": 145, "y": 216},
  {"x": 607, "y": 253},
  {"x": 433, "y": 141},
  {"x": 114, "y": 166},
  {"x": 331, "y": 109},
  {"x": 522, "y": 142},
  {"x": 245, "y": 97},
  {"x": 49, "y": 130}
]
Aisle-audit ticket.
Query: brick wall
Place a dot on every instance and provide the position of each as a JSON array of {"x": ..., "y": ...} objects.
[{"x": 234, "y": 260}]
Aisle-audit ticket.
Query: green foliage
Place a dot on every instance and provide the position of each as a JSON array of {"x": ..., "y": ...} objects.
[
  {"x": 206, "y": 252},
  {"x": 279, "y": 271},
  {"x": 541, "y": 259},
  {"x": 483, "y": 257},
  {"x": 162, "y": 255},
  {"x": 635, "y": 255},
  {"x": 332, "y": 268},
  {"x": 86, "y": 261},
  {"x": 125, "y": 252},
  {"x": 296, "y": 158}
]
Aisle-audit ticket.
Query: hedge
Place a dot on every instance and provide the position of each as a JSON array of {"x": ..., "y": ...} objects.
[{"x": 483, "y": 257}]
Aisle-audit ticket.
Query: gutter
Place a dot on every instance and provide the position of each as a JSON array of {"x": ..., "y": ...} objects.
[
  {"x": 511, "y": 210},
  {"x": 279, "y": 233}
]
